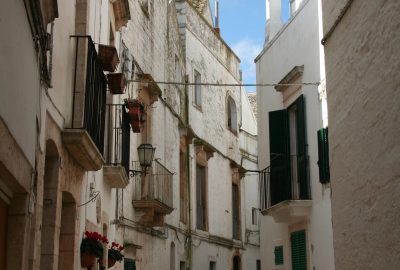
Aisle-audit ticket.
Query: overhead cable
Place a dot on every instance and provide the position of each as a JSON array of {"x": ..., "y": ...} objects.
[{"x": 226, "y": 84}]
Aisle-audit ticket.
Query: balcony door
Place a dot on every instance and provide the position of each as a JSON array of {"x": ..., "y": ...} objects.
[{"x": 288, "y": 153}]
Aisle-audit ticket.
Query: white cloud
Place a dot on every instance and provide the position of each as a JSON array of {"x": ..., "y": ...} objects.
[{"x": 247, "y": 50}]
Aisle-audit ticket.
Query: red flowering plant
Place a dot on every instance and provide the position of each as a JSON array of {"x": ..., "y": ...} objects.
[
  {"x": 115, "y": 252},
  {"x": 92, "y": 243}
]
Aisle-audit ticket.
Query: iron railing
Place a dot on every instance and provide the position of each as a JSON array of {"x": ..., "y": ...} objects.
[
  {"x": 283, "y": 183},
  {"x": 94, "y": 98},
  {"x": 156, "y": 185},
  {"x": 117, "y": 136}
]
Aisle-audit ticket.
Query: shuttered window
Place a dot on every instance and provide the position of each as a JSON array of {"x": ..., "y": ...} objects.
[
  {"x": 279, "y": 144},
  {"x": 286, "y": 163},
  {"x": 129, "y": 264},
  {"x": 298, "y": 248},
  {"x": 278, "y": 252},
  {"x": 323, "y": 156},
  {"x": 201, "y": 197}
]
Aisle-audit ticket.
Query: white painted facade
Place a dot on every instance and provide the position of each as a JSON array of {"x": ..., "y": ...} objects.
[{"x": 295, "y": 44}]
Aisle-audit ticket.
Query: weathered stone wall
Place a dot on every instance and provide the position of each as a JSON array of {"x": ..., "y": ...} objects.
[{"x": 362, "y": 64}]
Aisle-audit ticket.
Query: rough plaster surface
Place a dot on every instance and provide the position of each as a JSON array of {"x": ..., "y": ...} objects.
[{"x": 363, "y": 64}]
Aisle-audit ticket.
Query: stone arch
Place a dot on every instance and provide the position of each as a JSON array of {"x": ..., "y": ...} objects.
[
  {"x": 67, "y": 232},
  {"x": 237, "y": 262},
  {"x": 172, "y": 257},
  {"x": 231, "y": 113},
  {"x": 50, "y": 223}
]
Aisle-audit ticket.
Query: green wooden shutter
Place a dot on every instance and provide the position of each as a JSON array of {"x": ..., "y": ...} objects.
[
  {"x": 280, "y": 183},
  {"x": 302, "y": 158},
  {"x": 323, "y": 156},
  {"x": 129, "y": 264},
  {"x": 278, "y": 255},
  {"x": 299, "y": 250}
]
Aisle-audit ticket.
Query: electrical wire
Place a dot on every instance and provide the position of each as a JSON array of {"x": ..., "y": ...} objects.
[{"x": 226, "y": 84}]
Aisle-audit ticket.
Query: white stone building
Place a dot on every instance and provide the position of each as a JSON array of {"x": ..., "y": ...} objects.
[{"x": 296, "y": 228}]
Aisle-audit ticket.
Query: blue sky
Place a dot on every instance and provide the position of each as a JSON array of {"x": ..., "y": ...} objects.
[{"x": 242, "y": 24}]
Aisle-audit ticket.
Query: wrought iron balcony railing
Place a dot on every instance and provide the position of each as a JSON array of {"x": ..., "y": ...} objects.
[
  {"x": 285, "y": 181},
  {"x": 156, "y": 186},
  {"x": 89, "y": 97},
  {"x": 117, "y": 136}
]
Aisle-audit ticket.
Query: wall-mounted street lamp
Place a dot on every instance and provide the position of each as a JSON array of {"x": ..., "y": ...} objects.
[{"x": 146, "y": 156}]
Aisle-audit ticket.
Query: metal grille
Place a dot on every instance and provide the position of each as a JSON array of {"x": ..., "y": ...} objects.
[
  {"x": 95, "y": 98},
  {"x": 117, "y": 136},
  {"x": 155, "y": 186}
]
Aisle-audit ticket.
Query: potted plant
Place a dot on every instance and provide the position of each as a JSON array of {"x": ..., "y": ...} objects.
[
  {"x": 116, "y": 83},
  {"x": 114, "y": 254},
  {"x": 136, "y": 112},
  {"x": 92, "y": 248}
]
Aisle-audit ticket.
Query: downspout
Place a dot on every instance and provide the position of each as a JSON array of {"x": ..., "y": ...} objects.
[
  {"x": 189, "y": 239},
  {"x": 240, "y": 101}
]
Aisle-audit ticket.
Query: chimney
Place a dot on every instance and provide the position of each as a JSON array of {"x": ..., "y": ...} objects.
[
  {"x": 216, "y": 24},
  {"x": 273, "y": 15}
]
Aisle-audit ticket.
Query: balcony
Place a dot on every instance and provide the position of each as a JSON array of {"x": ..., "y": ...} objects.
[
  {"x": 284, "y": 192},
  {"x": 116, "y": 168},
  {"x": 152, "y": 198},
  {"x": 84, "y": 137}
]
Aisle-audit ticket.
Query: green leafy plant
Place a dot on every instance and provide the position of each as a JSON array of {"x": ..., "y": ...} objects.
[
  {"x": 115, "y": 252},
  {"x": 92, "y": 243}
]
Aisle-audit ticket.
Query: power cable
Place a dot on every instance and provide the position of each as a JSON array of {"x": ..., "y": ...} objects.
[{"x": 226, "y": 84}]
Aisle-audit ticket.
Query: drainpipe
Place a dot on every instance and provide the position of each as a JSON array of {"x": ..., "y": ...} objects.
[
  {"x": 189, "y": 239},
  {"x": 240, "y": 98}
]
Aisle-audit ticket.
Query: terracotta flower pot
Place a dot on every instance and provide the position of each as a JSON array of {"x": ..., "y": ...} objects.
[
  {"x": 108, "y": 57},
  {"x": 88, "y": 260},
  {"x": 111, "y": 262},
  {"x": 116, "y": 83}
]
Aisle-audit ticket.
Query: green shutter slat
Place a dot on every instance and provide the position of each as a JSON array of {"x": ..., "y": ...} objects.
[
  {"x": 279, "y": 143},
  {"x": 129, "y": 264},
  {"x": 323, "y": 155},
  {"x": 302, "y": 159},
  {"x": 299, "y": 250},
  {"x": 278, "y": 255}
]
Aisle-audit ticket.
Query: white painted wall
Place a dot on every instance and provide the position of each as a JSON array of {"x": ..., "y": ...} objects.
[
  {"x": 296, "y": 44},
  {"x": 19, "y": 77}
]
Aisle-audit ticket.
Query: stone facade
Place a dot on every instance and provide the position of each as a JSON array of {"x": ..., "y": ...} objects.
[
  {"x": 60, "y": 175},
  {"x": 362, "y": 65},
  {"x": 293, "y": 54}
]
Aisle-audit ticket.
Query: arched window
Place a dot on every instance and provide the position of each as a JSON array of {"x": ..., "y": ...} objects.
[
  {"x": 232, "y": 114},
  {"x": 237, "y": 263}
]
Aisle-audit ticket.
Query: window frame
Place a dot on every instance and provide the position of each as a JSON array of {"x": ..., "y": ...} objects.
[
  {"x": 197, "y": 90},
  {"x": 231, "y": 115}
]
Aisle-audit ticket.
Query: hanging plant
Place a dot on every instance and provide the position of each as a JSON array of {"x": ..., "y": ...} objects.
[
  {"x": 136, "y": 114},
  {"x": 114, "y": 254},
  {"x": 92, "y": 248}
]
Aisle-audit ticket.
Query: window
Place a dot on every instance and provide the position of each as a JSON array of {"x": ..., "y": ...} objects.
[
  {"x": 201, "y": 197},
  {"x": 278, "y": 252},
  {"x": 292, "y": 7},
  {"x": 197, "y": 89},
  {"x": 298, "y": 248},
  {"x": 323, "y": 156},
  {"x": 235, "y": 212},
  {"x": 213, "y": 265},
  {"x": 232, "y": 114},
  {"x": 288, "y": 154},
  {"x": 182, "y": 265},
  {"x": 129, "y": 264},
  {"x": 254, "y": 213},
  {"x": 258, "y": 264},
  {"x": 236, "y": 263},
  {"x": 182, "y": 187}
]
